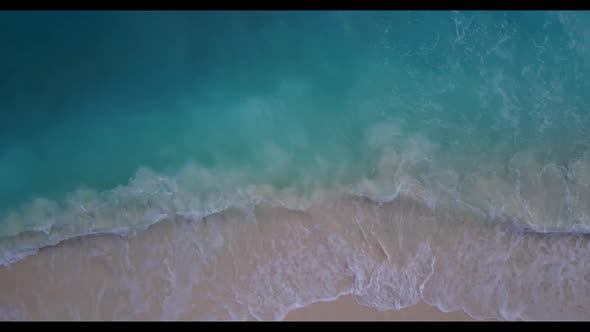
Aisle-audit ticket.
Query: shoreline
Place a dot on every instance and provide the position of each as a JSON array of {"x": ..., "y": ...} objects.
[{"x": 275, "y": 263}]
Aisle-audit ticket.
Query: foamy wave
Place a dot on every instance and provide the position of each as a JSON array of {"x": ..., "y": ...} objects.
[
  {"x": 530, "y": 195},
  {"x": 388, "y": 255},
  {"x": 540, "y": 196},
  {"x": 126, "y": 210}
]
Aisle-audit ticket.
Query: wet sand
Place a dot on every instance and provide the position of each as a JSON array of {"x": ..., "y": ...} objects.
[
  {"x": 276, "y": 263},
  {"x": 346, "y": 308}
]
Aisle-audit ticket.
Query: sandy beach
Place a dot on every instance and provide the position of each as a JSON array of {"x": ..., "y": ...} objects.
[{"x": 280, "y": 264}]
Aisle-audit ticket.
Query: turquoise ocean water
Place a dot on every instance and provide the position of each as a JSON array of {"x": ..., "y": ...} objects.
[{"x": 110, "y": 121}]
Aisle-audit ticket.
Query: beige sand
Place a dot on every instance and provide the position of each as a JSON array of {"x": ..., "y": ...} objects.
[
  {"x": 346, "y": 308},
  {"x": 239, "y": 267}
]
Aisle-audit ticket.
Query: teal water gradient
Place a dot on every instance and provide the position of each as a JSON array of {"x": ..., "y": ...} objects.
[{"x": 128, "y": 116}]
